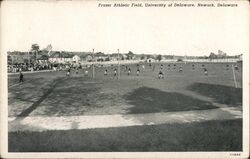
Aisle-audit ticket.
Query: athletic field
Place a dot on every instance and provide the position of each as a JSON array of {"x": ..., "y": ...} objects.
[{"x": 185, "y": 111}]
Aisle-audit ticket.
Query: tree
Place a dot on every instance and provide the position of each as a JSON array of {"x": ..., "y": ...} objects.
[
  {"x": 98, "y": 54},
  {"x": 48, "y": 49},
  {"x": 130, "y": 55},
  {"x": 35, "y": 49},
  {"x": 212, "y": 55},
  {"x": 159, "y": 57},
  {"x": 221, "y": 54},
  {"x": 143, "y": 57}
]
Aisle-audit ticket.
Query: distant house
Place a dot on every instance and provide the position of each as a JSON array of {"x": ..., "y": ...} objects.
[
  {"x": 76, "y": 59},
  {"x": 68, "y": 58},
  {"x": 124, "y": 56},
  {"x": 43, "y": 59},
  {"x": 150, "y": 59},
  {"x": 100, "y": 56},
  {"x": 58, "y": 57},
  {"x": 114, "y": 57},
  {"x": 89, "y": 58}
]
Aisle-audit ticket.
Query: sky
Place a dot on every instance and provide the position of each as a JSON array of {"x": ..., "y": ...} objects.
[{"x": 82, "y": 26}]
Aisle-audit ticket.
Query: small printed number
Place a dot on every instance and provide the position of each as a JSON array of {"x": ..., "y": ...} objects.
[{"x": 234, "y": 154}]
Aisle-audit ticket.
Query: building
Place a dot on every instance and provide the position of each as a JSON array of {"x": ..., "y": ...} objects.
[
  {"x": 76, "y": 59},
  {"x": 59, "y": 57},
  {"x": 89, "y": 58},
  {"x": 150, "y": 59},
  {"x": 43, "y": 59}
]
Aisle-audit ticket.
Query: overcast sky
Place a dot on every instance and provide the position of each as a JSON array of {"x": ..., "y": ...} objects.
[{"x": 81, "y": 26}]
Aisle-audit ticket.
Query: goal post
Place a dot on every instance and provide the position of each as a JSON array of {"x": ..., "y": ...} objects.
[{"x": 234, "y": 77}]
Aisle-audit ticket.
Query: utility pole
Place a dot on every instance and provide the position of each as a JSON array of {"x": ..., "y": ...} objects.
[
  {"x": 119, "y": 72},
  {"x": 93, "y": 67},
  {"x": 12, "y": 60},
  {"x": 29, "y": 57},
  {"x": 35, "y": 54}
]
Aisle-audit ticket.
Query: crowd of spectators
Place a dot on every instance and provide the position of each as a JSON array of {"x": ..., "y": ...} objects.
[{"x": 25, "y": 67}]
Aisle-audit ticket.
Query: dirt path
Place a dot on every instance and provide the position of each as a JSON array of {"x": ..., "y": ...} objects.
[{"x": 43, "y": 123}]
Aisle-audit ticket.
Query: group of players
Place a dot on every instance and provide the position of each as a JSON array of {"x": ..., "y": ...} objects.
[
  {"x": 160, "y": 73},
  {"x": 128, "y": 70}
]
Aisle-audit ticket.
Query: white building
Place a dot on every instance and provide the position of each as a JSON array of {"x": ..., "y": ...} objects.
[
  {"x": 76, "y": 59},
  {"x": 150, "y": 60},
  {"x": 58, "y": 57}
]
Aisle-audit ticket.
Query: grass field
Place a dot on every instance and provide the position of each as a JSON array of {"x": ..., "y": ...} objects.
[
  {"x": 208, "y": 136},
  {"x": 52, "y": 94}
]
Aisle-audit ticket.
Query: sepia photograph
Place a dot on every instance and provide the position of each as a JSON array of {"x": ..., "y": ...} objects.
[{"x": 124, "y": 79}]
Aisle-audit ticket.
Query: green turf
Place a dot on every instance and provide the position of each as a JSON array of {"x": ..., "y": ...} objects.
[{"x": 205, "y": 136}]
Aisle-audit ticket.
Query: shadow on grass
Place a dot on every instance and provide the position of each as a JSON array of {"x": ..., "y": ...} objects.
[
  {"x": 221, "y": 94},
  {"x": 71, "y": 97},
  {"x": 27, "y": 111},
  {"x": 150, "y": 100},
  {"x": 205, "y": 136}
]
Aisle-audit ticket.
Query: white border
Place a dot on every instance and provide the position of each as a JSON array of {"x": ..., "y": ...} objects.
[{"x": 4, "y": 130}]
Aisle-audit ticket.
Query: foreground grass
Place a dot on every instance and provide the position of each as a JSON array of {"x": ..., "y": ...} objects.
[
  {"x": 221, "y": 94},
  {"x": 205, "y": 136}
]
